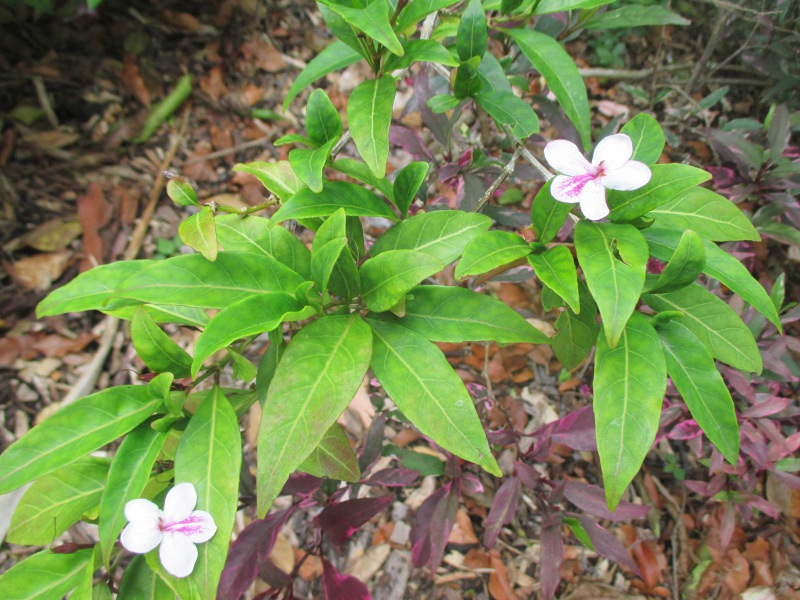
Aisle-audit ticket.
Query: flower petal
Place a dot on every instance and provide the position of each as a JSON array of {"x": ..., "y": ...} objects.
[
  {"x": 141, "y": 536},
  {"x": 142, "y": 510},
  {"x": 179, "y": 502},
  {"x": 565, "y": 158},
  {"x": 593, "y": 201},
  {"x": 198, "y": 527},
  {"x": 631, "y": 176},
  {"x": 569, "y": 189},
  {"x": 178, "y": 554},
  {"x": 613, "y": 151}
]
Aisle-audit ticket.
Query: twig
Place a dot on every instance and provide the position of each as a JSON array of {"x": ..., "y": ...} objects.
[
  {"x": 713, "y": 41},
  {"x": 507, "y": 170},
  {"x": 518, "y": 143},
  {"x": 227, "y": 151},
  {"x": 44, "y": 101}
]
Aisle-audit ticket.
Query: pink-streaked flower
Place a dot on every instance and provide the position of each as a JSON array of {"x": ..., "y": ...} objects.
[
  {"x": 177, "y": 528},
  {"x": 586, "y": 182}
]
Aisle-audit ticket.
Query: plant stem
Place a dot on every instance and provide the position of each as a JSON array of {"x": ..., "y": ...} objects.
[{"x": 243, "y": 212}]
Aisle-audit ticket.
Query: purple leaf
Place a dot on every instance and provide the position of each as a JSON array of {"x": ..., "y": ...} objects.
[
  {"x": 527, "y": 474},
  {"x": 271, "y": 574},
  {"x": 438, "y": 124},
  {"x": 592, "y": 499},
  {"x": 301, "y": 484},
  {"x": 342, "y": 587},
  {"x": 471, "y": 484},
  {"x": 241, "y": 566},
  {"x": 372, "y": 446},
  {"x": 685, "y": 431},
  {"x": 789, "y": 480},
  {"x": 761, "y": 504},
  {"x": 726, "y": 525},
  {"x": 706, "y": 488},
  {"x": 393, "y": 477},
  {"x": 409, "y": 141},
  {"x": 504, "y": 506},
  {"x": 552, "y": 555},
  {"x": 340, "y": 521},
  {"x": 576, "y": 430},
  {"x": 432, "y": 526},
  {"x": 607, "y": 545},
  {"x": 766, "y": 407}
]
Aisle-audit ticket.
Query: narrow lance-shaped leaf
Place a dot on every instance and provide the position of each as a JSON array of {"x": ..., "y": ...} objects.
[
  {"x": 324, "y": 259},
  {"x": 419, "y": 51},
  {"x": 182, "y": 193},
  {"x": 156, "y": 348},
  {"x": 629, "y": 385},
  {"x": 356, "y": 200},
  {"x": 472, "y": 36},
  {"x": 576, "y": 333},
  {"x": 309, "y": 164},
  {"x": 561, "y": 74},
  {"x": 694, "y": 373},
  {"x": 684, "y": 266},
  {"x": 318, "y": 375},
  {"x": 418, "y": 378},
  {"x": 57, "y": 501},
  {"x": 646, "y": 136},
  {"x": 209, "y": 456},
  {"x": 714, "y": 323},
  {"x": 388, "y": 277},
  {"x": 333, "y": 457},
  {"x": 454, "y": 314},
  {"x": 336, "y": 56},
  {"x": 373, "y": 20},
  {"x": 489, "y": 251},
  {"x": 359, "y": 171},
  {"x": 198, "y": 232},
  {"x": 139, "y": 581},
  {"x": 407, "y": 184},
  {"x": 344, "y": 281},
  {"x": 418, "y": 10},
  {"x": 127, "y": 477},
  {"x": 369, "y": 115},
  {"x": 548, "y": 214},
  {"x": 55, "y": 575},
  {"x": 73, "y": 432},
  {"x": 613, "y": 259},
  {"x": 556, "y": 269},
  {"x": 278, "y": 177},
  {"x": 323, "y": 122},
  {"x": 508, "y": 109}
]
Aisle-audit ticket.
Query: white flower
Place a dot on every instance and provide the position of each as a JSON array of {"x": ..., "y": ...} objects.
[
  {"x": 177, "y": 528},
  {"x": 586, "y": 182}
]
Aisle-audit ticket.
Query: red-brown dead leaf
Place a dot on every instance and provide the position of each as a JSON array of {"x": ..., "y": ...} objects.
[
  {"x": 737, "y": 574},
  {"x": 37, "y": 273},
  {"x": 213, "y": 84},
  {"x": 252, "y": 94},
  {"x": 94, "y": 213},
  {"x": 50, "y": 236},
  {"x": 58, "y": 345},
  {"x": 311, "y": 569},
  {"x": 499, "y": 585},
  {"x": 512, "y": 294},
  {"x": 128, "y": 205},
  {"x": 200, "y": 170},
  {"x": 405, "y": 437},
  {"x": 523, "y": 376},
  {"x": 648, "y": 564},
  {"x": 462, "y": 533},
  {"x": 263, "y": 55},
  {"x": 132, "y": 81},
  {"x": 762, "y": 575},
  {"x": 476, "y": 558},
  {"x": 652, "y": 490},
  {"x": 181, "y": 20},
  {"x": 569, "y": 385}
]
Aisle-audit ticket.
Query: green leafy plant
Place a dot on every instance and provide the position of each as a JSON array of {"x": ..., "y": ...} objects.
[{"x": 338, "y": 311}]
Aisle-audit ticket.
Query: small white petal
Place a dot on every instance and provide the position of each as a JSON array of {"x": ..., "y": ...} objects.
[
  {"x": 631, "y": 176},
  {"x": 180, "y": 502},
  {"x": 142, "y": 510},
  {"x": 593, "y": 202},
  {"x": 141, "y": 536},
  {"x": 565, "y": 158},
  {"x": 570, "y": 189},
  {"x": 613, "y": 151},
  {"x": 178, "y": 554},
  {"x": 198, "y": 527}
]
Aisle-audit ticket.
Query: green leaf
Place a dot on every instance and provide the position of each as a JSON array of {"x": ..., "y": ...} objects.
[
  {"x": 346, "y": 32},
  {"x": 614, "y": 260},
  {"x": 278, "y": 177},
  {"x": 369, "y": 115},
  {"x": 73, "y": 432},
  {"x": 720, "y": 265},
  {"x": 508, "y": 6},
  {"x": 191, "y": 280},
  {"x": 198, "y": 232},
  {"x": 556, "y": 269},
  {"x": 209, "y": 456},
  {"x": 90, "y": 290},
  {"x": 468, "y": 82},
  {"x": 344, "y": 281},
  {"x": 309, "y": 164},
  {"x": 442, "y": 234},
  {"x": 182, "y": 315},
  {"x": 251, "y": 316},
  {"x": 373, "y": 20},
  {"x": 442, "y": 103},
  {"x": 508, "y": 109},
  {"x": 242, "y": 368},
  {"x": 454, "y": 314},
  {"x": 139, "y": 582},
  {"x": 324, "y": 259},
  {"x": 407, "y": 184},
  {"x": 45, "y": 575},
  {"x": 323, "y": 122},
  {"x": 576, "y": 333},
  {"x": 548, "y": 214},
  {"x": 268, "y": 363},
  {"x": 419, "y": 9},
  {"x": 684, "y": 266},
  {"x": 360, "y": 171},
  {"x": 57, "y": 501},
  {"x": 182, "y": 193},
  {"x": 336, "y": 56},
  {"x": 259, "y": 235},
  {"x": 418, "y": 378},
  {"x": 629, "y": 385},
  {"x": 489, "y": 251},
  {"x": 472, "y": 37},
  {"x": 127, "y": 478},
  {"x": 317, "y": 377},
  {"x": 711, "y": 216},
  {"x": 561, "y": 74},
  {"x": 156, "y": 348},
  {"x": 647, "y": 137},
  {"x": 635, "y": 16},
  {"x": 388, "y": 277},
  {"x": 714, "y": 323},
  {"x": 553, "y": 6},
  {"x": 293, "y": 138},
  {"x": 692, "y": 370},
  {"x": 333, "y": 457},
  {"x": 430, "y": 51},
  {"x": 778, "y": 292},
  {"x": 356, "y": 200},
  {"x": 667, "y": 183},
  {"x": 492, "y": 73}
]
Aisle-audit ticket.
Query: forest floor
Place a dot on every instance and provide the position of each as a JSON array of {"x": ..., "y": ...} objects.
[{"x": 75, "y": 91}]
